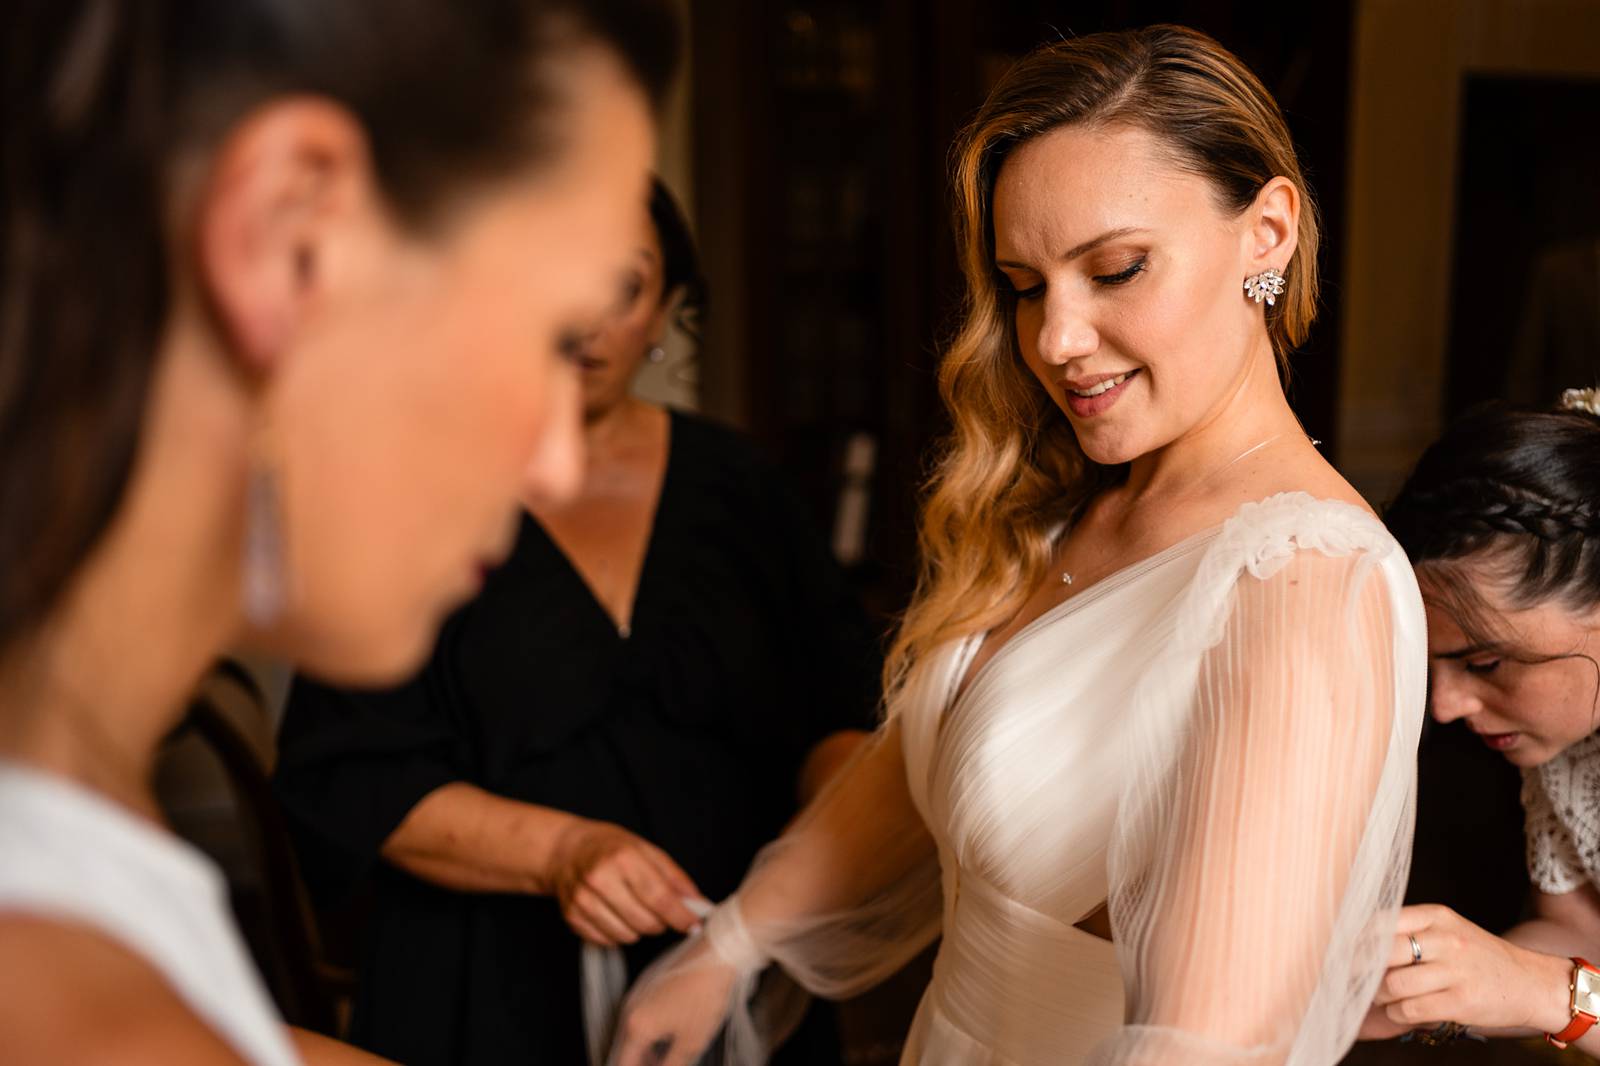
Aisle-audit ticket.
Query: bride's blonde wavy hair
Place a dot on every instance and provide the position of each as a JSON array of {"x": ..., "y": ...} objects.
[{"x": 1010, "y": 472}]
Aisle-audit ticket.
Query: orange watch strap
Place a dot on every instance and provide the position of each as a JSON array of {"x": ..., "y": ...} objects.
[{"x": 1581, "y": 1020}]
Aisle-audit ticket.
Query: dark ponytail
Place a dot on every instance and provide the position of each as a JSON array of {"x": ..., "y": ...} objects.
[
  {"x": 680, "y": 262},
  {"x": 104, "y": 96},
  {"x": 1518, "y": 491}
]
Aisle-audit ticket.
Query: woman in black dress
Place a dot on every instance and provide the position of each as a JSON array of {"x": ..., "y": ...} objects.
[{"x": 634, "y": 703}]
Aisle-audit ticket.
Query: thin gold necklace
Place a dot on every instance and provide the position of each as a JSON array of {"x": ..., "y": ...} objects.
[{"x": 1066, "y": 575}]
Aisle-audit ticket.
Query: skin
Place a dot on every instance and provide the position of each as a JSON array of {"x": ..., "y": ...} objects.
[
  {"x": 614, "y": 887},
  {"x": 1124, "y": 262},
  {"x": 1207, "y": 391},
  {"x": 1529, "y": 711},
  {"x": 368, "y": 365}
]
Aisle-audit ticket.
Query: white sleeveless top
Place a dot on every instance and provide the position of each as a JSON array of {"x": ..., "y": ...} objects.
[{"x": 68, "y": 854}]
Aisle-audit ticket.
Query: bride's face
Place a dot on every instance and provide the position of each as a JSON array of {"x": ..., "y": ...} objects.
[
  {"x": 1528, "y": 695},
  {"x": 1128, "y": 277}
]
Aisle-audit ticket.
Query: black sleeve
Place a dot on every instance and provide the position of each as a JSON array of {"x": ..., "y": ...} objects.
[{"x": 352, "y": 764}]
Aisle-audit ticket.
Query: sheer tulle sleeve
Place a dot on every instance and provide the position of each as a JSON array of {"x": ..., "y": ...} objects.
[
  {"x": 842, "y": 900},
  {"x": 1263, "y": 838}
]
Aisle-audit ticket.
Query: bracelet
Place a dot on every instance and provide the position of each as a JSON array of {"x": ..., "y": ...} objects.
[{"x": 1446, "y": 1033}]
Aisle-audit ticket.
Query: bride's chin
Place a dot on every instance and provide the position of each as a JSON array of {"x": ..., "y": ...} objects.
[{"x": 1104, "y": 452}]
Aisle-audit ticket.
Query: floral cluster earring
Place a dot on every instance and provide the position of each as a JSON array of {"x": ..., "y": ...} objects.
[{"x": 1267, "y": 285}]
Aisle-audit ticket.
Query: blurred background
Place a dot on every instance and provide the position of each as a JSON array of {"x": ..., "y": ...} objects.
[{"x": 1451, "y": 144}]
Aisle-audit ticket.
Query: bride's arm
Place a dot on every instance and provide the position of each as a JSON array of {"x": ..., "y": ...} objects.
[
  {"x": 858, "y": 839},
  {"x": 842, "y": 900},
  {"x": 1247, "y": 879}
]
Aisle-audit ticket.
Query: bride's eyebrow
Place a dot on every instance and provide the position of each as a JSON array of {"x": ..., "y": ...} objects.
[{"x": 1081, "y": 249}]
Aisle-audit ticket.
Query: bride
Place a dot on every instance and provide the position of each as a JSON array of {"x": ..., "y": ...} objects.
[{"x": 1162, "y": 663}]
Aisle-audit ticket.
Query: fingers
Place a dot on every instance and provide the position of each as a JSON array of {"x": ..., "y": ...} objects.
[
  {"x": 669, "y": 888},
  {"x": 1422, "y": 916},
  {"x": 1377, "y": 1025},
  {"x": 626, "y": 898},
  {"x": 643, "y": 1045},
  {"x": 597, "y": 913},
  {"x": 619, "y": 887},
  {"x": 1401, "y": 953},
  {"x": 1408, "y": 982},
  {"x": 1431, "y": 1009},
  {"x": 586, "y": 929}
]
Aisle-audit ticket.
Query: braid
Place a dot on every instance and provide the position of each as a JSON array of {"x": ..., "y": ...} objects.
[
  {"x": 1516, "y": 510},
  {"x": 1520, "y": 484}
]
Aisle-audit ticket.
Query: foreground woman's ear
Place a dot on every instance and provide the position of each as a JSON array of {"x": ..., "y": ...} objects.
[{"x": 283, "y": 194}]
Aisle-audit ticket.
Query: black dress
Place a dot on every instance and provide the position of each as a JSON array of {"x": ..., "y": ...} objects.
[{"x": 746, "y": 649}]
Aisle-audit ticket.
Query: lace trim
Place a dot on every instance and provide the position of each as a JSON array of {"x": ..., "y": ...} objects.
[
  {"x": 1260, "y": 539},
  {"x": 1561, "y": 800}
]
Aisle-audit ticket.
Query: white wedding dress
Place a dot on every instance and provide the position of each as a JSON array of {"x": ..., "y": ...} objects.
[{"x": 1219, "y": 740}]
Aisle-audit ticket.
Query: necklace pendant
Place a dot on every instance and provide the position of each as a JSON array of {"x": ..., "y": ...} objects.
[{"x": 1066, "y": 578}]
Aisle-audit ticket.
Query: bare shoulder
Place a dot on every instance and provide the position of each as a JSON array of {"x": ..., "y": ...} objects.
[
  {"x": 1297, "y": 468},
  {"x": 71, "y": 994}
]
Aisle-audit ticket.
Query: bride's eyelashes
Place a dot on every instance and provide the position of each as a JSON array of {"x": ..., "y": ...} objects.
[
  {"x": 1033, "y": 292},
  {"x": 1123, "y": 276}
]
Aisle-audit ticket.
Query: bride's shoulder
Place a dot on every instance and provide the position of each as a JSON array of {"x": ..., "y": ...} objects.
[
  {"x": 1297, "y": 507},
  {"x": 1263, "y": 535}
]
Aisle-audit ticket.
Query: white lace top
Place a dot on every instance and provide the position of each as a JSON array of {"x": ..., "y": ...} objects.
[{"x": 1562, "y": 802}]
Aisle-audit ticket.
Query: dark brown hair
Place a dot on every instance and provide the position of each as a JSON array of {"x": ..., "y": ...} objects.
[
  {"x": 1514, "y": 490},
  {"x": 680, "y": 261},
  {"x": 104, "y": 96}
]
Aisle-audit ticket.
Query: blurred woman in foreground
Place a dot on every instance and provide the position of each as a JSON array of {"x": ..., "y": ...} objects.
[
  {"x": 289, "y": 292},
  {"x": 617, "y": 724}
]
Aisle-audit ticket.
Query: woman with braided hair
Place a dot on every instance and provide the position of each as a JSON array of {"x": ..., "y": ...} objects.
[{"x": 1501, "y": 520}]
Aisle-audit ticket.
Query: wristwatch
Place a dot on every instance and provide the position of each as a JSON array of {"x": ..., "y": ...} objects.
[{"x": 1585, "y": 1003}]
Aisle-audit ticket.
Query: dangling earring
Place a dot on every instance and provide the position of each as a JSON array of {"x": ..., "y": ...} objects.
[
  {"x": 656, "y": 353},
  {"x": 1267, "y": 285},
  {"x": 266, "y": 567}
]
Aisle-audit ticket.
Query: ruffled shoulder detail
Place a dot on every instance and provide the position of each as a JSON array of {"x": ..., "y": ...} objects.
[
  {"x": 1260, "y": 540},
  {"x": 1263, "y": 535}
]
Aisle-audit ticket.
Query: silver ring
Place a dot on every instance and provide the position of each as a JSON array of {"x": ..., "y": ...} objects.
[{"x": 1416, "y": 949}]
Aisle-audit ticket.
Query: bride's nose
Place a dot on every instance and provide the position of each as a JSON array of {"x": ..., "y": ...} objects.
[{"x": 1065, "y": 333}]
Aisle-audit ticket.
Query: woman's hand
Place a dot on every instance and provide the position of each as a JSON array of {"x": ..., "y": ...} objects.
[
  {"x": 676, "y": 1009},
  {"x": 615, "y": 887},
  {"x": 1468, "y": 976}
]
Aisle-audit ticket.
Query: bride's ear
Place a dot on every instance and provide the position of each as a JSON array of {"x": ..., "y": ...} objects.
[
  {"x": 1273, "y": 232},
  {"x": 283, "y": 192}
]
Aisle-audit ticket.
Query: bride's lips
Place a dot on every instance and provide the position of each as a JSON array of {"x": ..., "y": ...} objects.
[{"x": 1100, "y": 403}]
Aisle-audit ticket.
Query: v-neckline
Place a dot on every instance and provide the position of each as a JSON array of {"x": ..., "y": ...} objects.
[
  {"x": 962, "y": 685},
  {"x": 623, "y": 629}
]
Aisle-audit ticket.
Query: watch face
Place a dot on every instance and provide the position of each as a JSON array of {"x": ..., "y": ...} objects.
[{"x": 1586, "y": 991}]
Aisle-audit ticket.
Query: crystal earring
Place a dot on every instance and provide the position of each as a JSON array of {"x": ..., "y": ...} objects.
[
  {"x": 266, "y": 578},
  {"x": 1267, "y": 285},
  {"x": 656, "y": 353}
]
